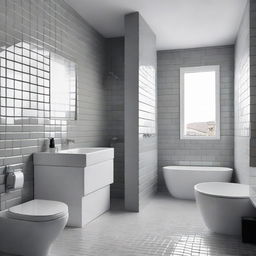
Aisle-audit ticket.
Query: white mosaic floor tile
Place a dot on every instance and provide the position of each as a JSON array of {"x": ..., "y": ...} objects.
[{"x": 165, "y": 227}]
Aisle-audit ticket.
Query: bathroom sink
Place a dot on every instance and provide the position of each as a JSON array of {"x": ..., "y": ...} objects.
[
  {"x": 79, "y": 177},
  {"x": 76, "y": 157}
]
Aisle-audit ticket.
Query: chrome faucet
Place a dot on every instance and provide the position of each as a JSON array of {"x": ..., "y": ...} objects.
[
  {"x": 70, "y": 141},
  {"x": 66, "y": 142}
]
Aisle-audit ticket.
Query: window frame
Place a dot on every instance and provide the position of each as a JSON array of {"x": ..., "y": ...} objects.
[{"x": 183, "y": 70}]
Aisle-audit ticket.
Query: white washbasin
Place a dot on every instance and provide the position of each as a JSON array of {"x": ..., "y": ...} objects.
[
  {"x": 79, "y": 177},
  {"x": 76, "y": 157}
]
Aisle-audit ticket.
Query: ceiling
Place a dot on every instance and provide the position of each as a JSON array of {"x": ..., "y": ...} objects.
[{"x": 176, "y": 23}]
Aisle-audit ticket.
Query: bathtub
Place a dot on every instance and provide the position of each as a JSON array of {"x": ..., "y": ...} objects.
[
  {"x": 180, "y": 180},
  {"x": 223, "y": 204}
]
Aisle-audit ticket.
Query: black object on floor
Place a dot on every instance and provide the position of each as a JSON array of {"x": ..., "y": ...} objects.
[{"x": 249, "y": 230}]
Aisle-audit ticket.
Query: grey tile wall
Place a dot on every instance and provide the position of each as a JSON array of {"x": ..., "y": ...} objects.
[
  {"x": 242, "y": 100},
  {"x": 53, "y": 25},
  {"x": 245, "y": 100},
  {"x": 147, "y": 108},
  {"x": 140, "y": 112},
  {"x": 253, "y": 81},
  {"x": 172, "y": 150},
  {"x": 131, "y": 101},
  {"x": 252, "y": 170},
  {"x": 114, "y": 84}
]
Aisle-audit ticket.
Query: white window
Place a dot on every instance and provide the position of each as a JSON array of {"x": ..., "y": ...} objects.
[{"x": 200, "y": 103}]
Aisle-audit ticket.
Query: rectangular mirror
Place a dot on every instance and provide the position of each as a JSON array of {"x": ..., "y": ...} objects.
[
  {"x": 44, "y": 82},
  {"x": 63, "y": 88}
]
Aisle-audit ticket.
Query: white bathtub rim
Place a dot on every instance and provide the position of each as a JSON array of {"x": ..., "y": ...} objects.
[
  {"x": 245, "y": 196},
  {"x": 197, "y": 168}
]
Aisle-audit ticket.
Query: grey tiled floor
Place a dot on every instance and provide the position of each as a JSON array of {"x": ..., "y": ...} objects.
[{"x": 164, "y": 227}]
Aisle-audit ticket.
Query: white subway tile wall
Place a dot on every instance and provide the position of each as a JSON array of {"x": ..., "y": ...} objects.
[
  {"x": 147, "y": 109},
  {"x": 245, "y": 56},
  {"x": 242, "y": 99},
  {"x": 140, "y": 112},
  {"x": 253, "y": 80},
  {"x": 252, "y": 145},
  {"x": 57, "y": 28},
  {"x": 172, "y": 150}
]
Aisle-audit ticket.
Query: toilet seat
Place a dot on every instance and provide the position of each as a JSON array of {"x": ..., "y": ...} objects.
[
  {"x": 38, "y": 210},
  {"x": 223, "y": 189}
]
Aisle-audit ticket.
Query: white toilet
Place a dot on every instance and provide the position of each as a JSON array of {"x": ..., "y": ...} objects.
[
  {"x": 30, "y": 228},
  {"x": 223, "y": 204}
]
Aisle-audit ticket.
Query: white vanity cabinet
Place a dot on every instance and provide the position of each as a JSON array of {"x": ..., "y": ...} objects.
[{"x": 79, "y": 177}]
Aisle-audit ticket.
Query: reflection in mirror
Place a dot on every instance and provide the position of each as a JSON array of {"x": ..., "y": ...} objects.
[
  {"x": 36, "y": 84},
  {"x": 63, "y": 88}
]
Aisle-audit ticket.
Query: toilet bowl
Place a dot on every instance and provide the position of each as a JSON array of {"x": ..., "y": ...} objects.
[
  {"x": 222, "y": 205},
  {"x": 30, "y": 228}
]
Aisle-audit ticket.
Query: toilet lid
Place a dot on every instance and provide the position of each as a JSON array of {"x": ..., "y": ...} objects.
[
  {"x": 38, "y": 210},
  {"x": 223, "y": 189}
]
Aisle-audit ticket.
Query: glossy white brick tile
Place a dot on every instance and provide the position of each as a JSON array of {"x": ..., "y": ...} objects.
[
  {"x": 60, "y": 29},
  {"x": 172, "y": 150}
]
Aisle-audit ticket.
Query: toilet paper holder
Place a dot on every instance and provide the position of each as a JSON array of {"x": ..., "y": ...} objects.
[{"x": 14, "y": 179}]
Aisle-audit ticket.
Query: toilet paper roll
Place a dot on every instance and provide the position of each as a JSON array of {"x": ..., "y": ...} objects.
[{"x": 19, "y": 180}]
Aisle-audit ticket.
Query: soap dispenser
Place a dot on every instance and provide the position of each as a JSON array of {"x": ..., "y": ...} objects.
[{"x": 52, "y": 145}]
